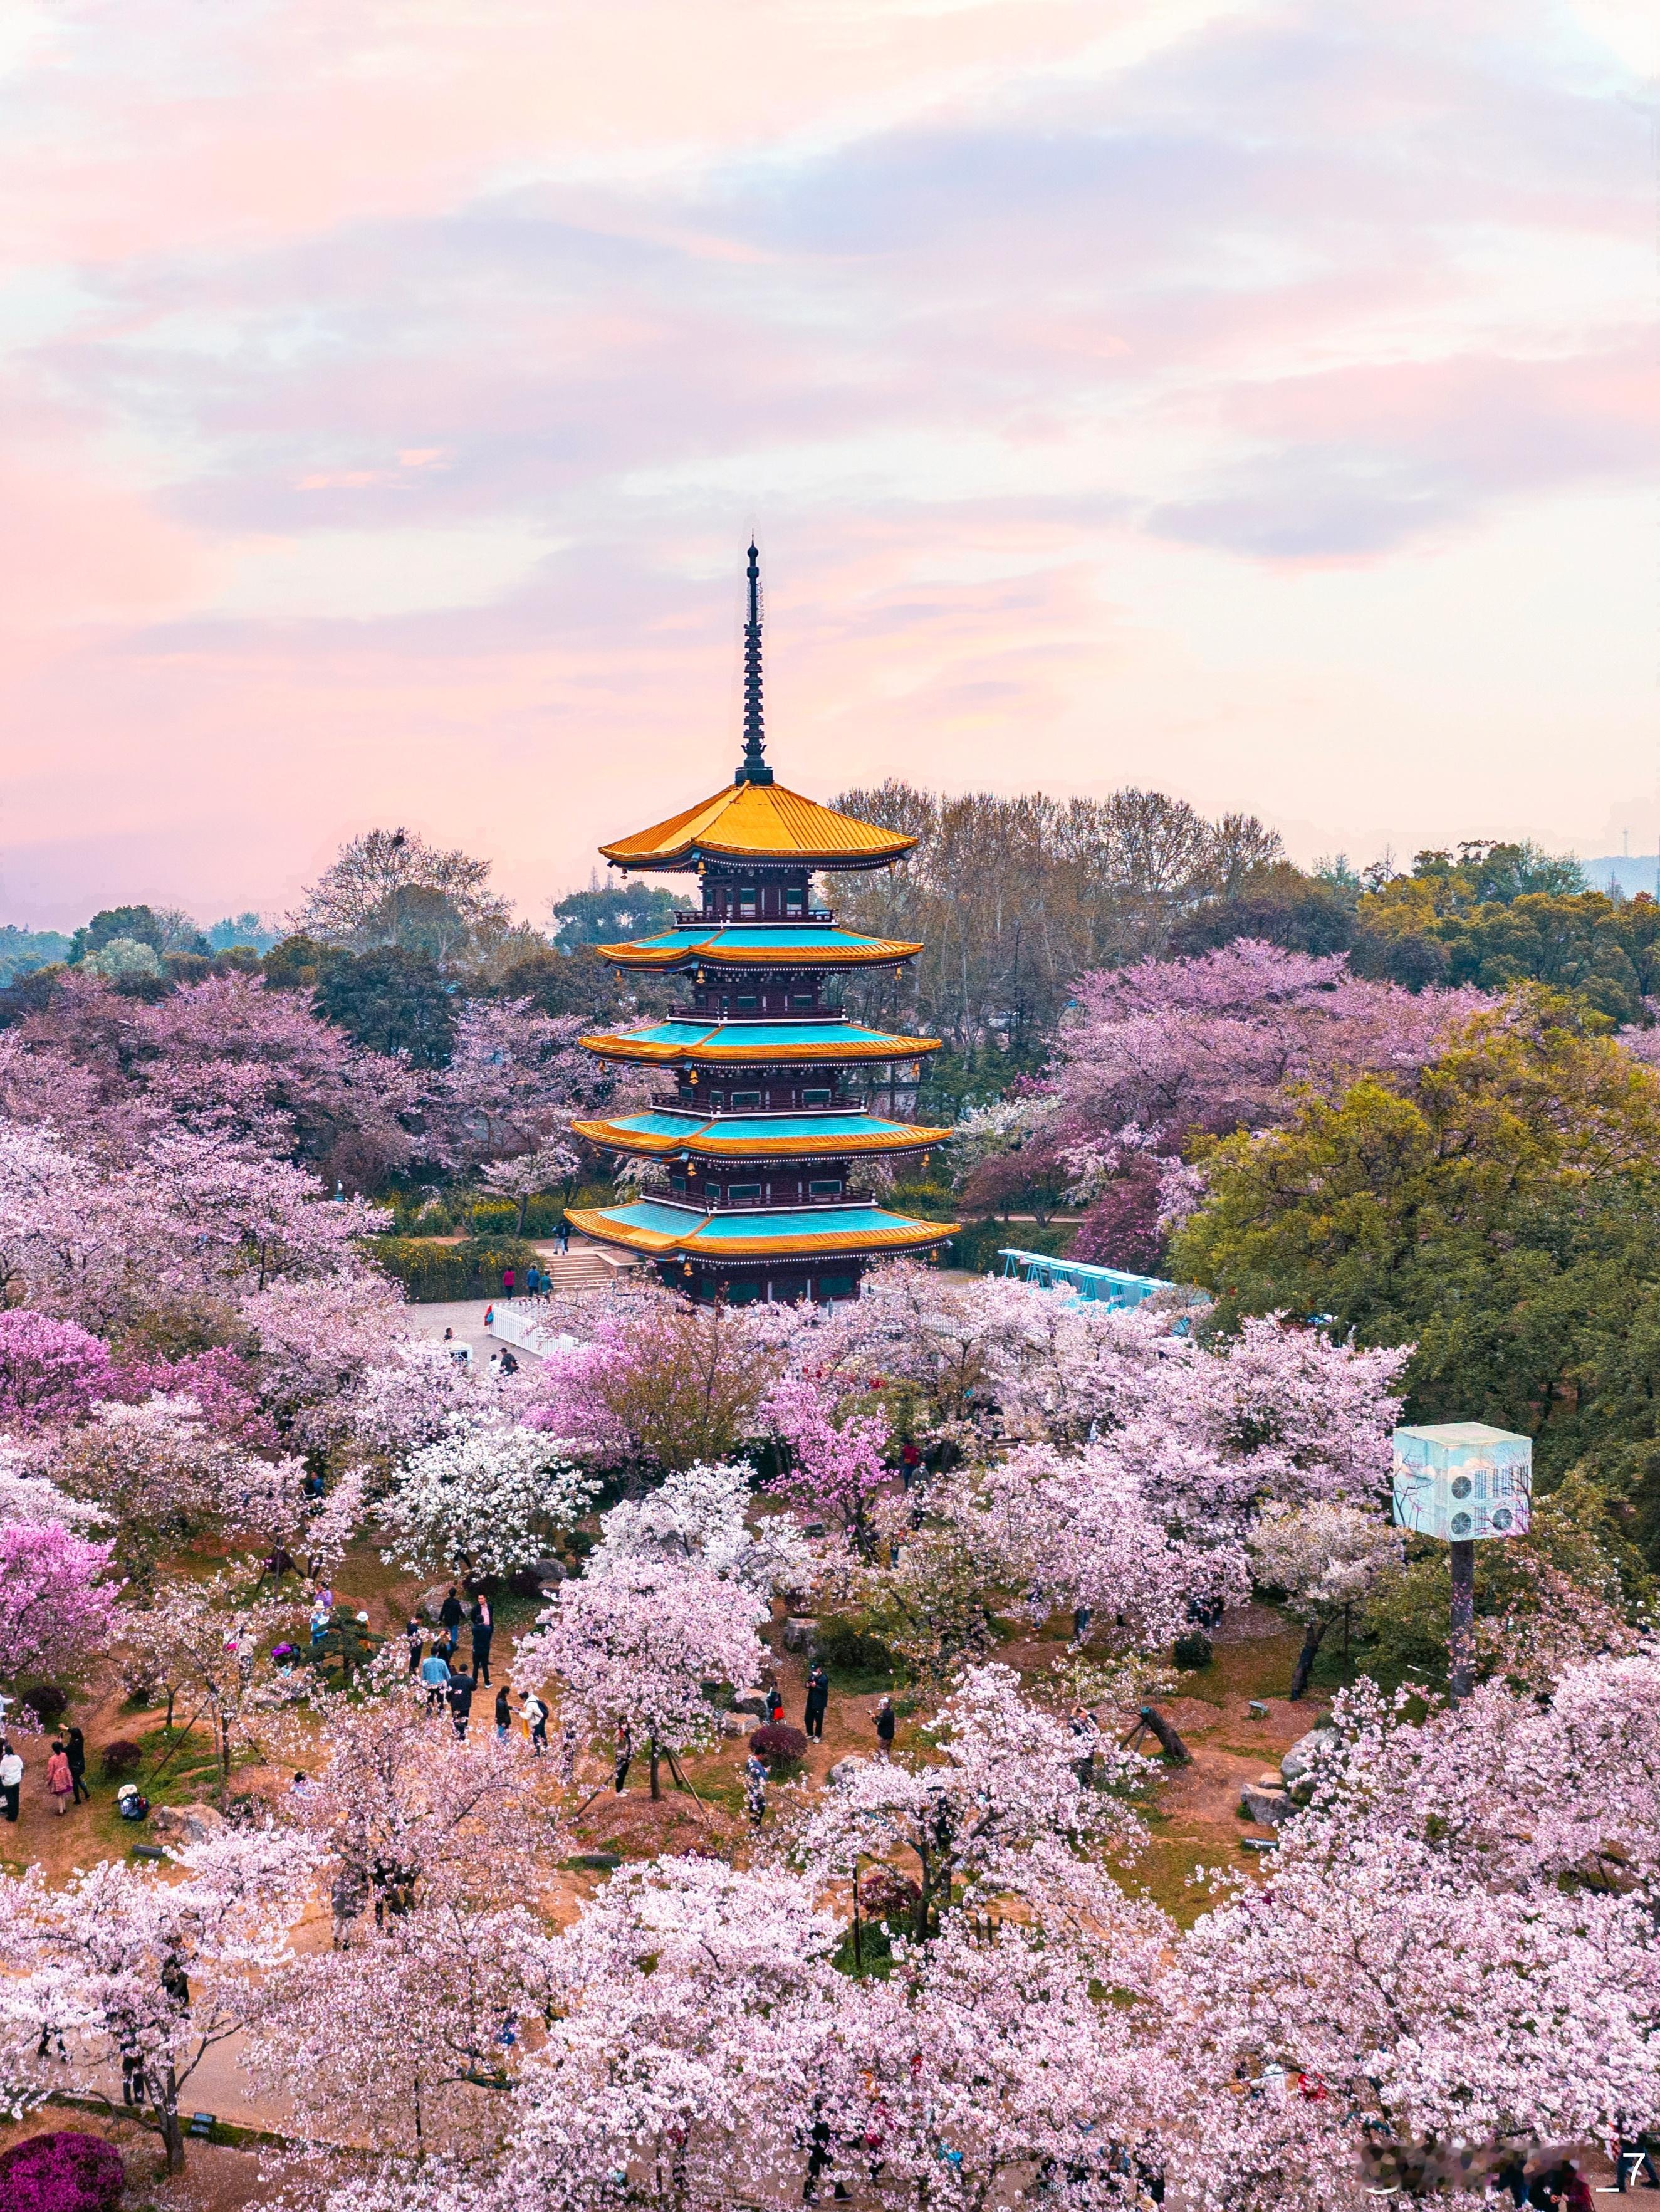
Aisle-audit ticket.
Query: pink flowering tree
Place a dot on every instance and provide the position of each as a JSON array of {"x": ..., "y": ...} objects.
[
  {"x": 516, "y": 1077},
  {"x": 213, "y": 1641},
  {"x": 1325, "y": 1558},
  {"x": 127, "y": 1973},
  {"x": 51, "y": 1372},
  {"x": 1165, "y": 1050},
  {"x": 685, "y": 2050},
  {"x": 998, "y": 1812},
  {"x": 633, "y": 1647},
  {"x": 833, "y": 1463},
  {"x": 433, "y": 1853},
  {"x": 58, "y": 1600},
  {"x": 992, "y": 2055}
]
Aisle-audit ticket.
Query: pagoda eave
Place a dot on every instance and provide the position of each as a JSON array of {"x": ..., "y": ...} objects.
[
  {"x": 752, "y": 1054},
  {"x": 730, "y": 1141},
  {"x": 887, "y": 1232},
  {"x": 877, "y": 953}
]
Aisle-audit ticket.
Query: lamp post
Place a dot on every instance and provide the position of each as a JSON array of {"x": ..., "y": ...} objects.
[{"x": 1463, "y": 1483}]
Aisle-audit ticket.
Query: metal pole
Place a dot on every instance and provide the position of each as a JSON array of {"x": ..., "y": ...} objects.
[{"x": 1461, "y": 1644}]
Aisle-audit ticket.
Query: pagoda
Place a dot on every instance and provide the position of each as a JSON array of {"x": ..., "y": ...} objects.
[{"x": 771, "y": 1105}]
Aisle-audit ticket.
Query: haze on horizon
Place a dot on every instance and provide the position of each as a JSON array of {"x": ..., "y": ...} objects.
[{"x": 1240, "y": 400}]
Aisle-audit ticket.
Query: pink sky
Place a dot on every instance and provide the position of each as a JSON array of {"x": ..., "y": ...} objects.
[{"x": 1256, "y": 401}]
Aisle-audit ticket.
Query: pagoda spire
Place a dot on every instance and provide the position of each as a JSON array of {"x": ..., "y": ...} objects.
[{"x": 752, "y": 767}]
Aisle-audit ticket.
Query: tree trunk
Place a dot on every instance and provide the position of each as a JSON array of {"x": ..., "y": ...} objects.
[
  {"x": 518, "y": 1226},
  {"x": 1168, "y": 1740},
  {"x": 657, "y": 1782},
  {"x": 1313, "y": 1637},
  {"x": 1461, "y": 1642},
  {"x": 164, "y": 2104}
]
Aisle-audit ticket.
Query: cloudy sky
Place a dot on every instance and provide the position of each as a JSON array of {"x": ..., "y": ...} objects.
[{"x": 1255, "y": 401}]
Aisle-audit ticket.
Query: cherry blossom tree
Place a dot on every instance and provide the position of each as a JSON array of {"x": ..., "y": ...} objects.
[
  {"x": 834, "y": 1466},
  {"x": 516, "y": 1077},
  {"x": 162, "y": 1478},
  {"x": 214, "y": 1641},
  {"x": 635, "y": 1644},
  {"x": 1074, "y": 1530},
  {"x": 1000, "y": 1812},
  {"x": 436, "y": 1855},
  {"x": 1163, "y": 1051},
  {"x": 528, "y": 1175},
  {"x": 321, "y": 1349},
  {"x": 702, "y": 1514},
  {"x": 652, "y": 1377},
  {"x": 58, "y": 1603},
  {"x": 684, "y": 2054},
  {"x": 123, "y": 1964},
  {"x": 51, "y": 1372},
  {"x": 483, "y": 1498},
  {"x": 991, "y": 2062},
  {"x": 1327, "y": 1558}
]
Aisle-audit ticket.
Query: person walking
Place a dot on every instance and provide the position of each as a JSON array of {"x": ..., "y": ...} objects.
[
  {"x": 451, "y": 1614},
  {"x": 482, "y": 1621},
  {"x": 533, "y": 1282},
  {"x": 508, "y": 1278},
  {"x": 774, "y": 1704},
  {"x": 435, "y": 1674},
  {"x": 414, "y": 1636},
  {"x": 624, "y": 1749},
  {"x": 755, "y": 1788},
  {"x": 885, "y": 1726},
  {"x": 533, "y": 1714},
  {"x": 59, "y": 1781},
  {"x": 818, "y": 1701},
  {"x": 461, "y": 1703},
  {"x": 11, "y": 1779},
  {"x": 567, "y": 1750},
  {"x": 504, "y": 1715},
  {"x": 74, "y": 1750},
  {"x": 563, "y": 1235}
]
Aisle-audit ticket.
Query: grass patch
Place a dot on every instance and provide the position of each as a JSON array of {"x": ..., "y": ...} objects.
[
  {"x": 1261, "y": 1668},
  {"x": 1163, "y": 1873}
]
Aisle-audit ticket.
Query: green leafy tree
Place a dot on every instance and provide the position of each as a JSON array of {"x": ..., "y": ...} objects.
[
  {"x": 392, "y": 999},
  {"x": 1499, "y": 1216},
  {"x": 610, "y": 913}
]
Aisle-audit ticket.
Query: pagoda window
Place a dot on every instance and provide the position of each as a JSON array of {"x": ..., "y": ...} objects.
[
  {"x": 746, "y": 998},
  {"x": 836, "y": 1286},
  {"x": 824, "y": 1189},
  {"x": 804, "y": 999},
  {"x": 677, "y": 1182},
  {"x": 746, "y": 1101},
  {"x": 742, "y": 1294},
  {"x": 743, "y": 1194},
  {"x": 794, "y": 900},
  {"x": 815, "y": 1097},
  {"x": 746, "y": 899}
]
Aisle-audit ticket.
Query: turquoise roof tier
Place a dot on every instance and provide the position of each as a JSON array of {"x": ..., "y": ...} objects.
[
  {"x": 751, "y": 1044},
  {"x": 745, "y": 1136},
  {"x": 764, "y": 944},
  {"x": 650, "y": 1226}
]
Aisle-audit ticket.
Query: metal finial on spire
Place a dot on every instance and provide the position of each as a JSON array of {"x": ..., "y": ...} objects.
[{"x": 752, "y": 767}]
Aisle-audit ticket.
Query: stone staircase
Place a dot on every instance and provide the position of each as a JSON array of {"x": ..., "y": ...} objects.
[{"x": 584, "y": 1268}]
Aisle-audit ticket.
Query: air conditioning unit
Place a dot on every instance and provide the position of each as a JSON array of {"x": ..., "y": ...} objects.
[{"x": 1462, "y": 1482}]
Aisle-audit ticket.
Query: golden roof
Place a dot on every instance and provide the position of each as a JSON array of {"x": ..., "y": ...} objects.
[{"x": 760, "y": 822}]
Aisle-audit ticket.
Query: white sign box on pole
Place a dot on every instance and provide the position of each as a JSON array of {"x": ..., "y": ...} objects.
[{"x": 1461, "y": 1481}]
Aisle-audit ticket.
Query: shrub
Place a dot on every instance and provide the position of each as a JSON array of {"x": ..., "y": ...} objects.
[
  {"x": 64, "y": 2171},
  {"x": 885, "y": 1893},
  {"x": 1193, "y": 1649},
  {"x": 48, "y": 1704},
  {"x": 122, "y": 1757},
  {"x": 777, "y": 1743},
  {"x": 472, "y": 1269},
  {"x": 977, "y": 1245},
  {"x": 847, "y": 1650}
]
